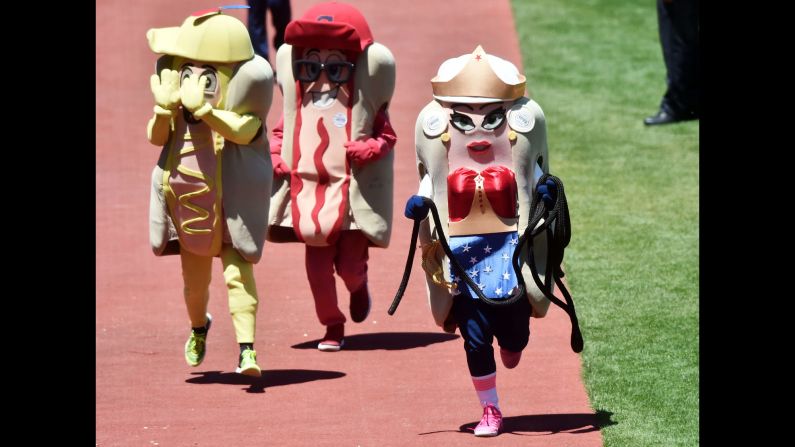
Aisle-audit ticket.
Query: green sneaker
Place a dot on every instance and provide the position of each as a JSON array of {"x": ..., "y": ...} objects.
[
  {"x": 248, "y": 364},
  {"x": 195, "y": 347}
]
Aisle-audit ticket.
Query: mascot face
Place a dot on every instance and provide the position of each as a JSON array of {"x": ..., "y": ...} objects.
[
  {"x": 205, "y": 36},
  {"x": 212, "y": 90},
  {"x": 475, "y": 92},
  {"x": 218, "y": 76},
  {"x": 478, "y": 135},
  {"x": 323, "y": 73}
]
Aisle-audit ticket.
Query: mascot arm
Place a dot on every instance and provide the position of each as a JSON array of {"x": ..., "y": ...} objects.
[
  {"x": 426, "y": 187},
  {"x": 160, "y": 126},
  {"x": 240, "y": 129},
  {"x": 279, "y": 166},
  {"x": 373, "y": 149}
]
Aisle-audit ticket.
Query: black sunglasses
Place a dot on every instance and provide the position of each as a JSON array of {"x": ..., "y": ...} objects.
[{"x": 307, "y": 71}]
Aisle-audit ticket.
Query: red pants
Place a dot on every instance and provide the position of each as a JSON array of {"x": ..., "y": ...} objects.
[{"x": 349, "y": 256}]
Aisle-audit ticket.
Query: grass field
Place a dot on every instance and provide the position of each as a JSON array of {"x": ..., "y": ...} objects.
[{"x": 595, "y": 67}]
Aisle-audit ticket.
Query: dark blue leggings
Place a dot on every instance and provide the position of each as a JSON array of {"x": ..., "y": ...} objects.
[{"x": 480, "y": 323}]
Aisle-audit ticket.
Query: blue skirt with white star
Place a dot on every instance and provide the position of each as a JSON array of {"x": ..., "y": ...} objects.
[{"x": 487, "y": 260}]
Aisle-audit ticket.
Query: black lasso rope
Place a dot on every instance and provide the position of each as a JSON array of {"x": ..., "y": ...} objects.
[
  {"x": 558, "y": 229},
  {"x": 415, "y": 231}
]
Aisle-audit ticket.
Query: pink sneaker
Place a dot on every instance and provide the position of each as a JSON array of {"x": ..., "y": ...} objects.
[
  {"x": 509, "y": 358},
  {"x": 334, "y": 338},
  {"x": 491, "y": 422}
]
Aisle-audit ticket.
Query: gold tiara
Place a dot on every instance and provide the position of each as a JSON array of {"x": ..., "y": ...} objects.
[{"x": 478, "y": 79}]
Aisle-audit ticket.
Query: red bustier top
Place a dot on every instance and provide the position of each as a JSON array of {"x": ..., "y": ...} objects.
[{"x": 499, "y": 183}]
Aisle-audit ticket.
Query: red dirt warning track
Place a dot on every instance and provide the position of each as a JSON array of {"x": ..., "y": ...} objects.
[{"x": 399, "y": 381}]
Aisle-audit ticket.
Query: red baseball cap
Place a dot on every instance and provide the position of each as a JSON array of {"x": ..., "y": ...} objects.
[{"x": 330, "y": 25}]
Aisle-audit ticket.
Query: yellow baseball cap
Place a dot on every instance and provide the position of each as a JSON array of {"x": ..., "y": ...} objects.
[{"x": 209, "y": 36}]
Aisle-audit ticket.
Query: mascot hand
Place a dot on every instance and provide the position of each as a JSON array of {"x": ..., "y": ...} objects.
[
  {"x": 416, "y": 208},
  {"x": 358, "y": 151},
  {"x": 279, "y": 166},
  {"x": 548, "y": 192},
  {"x": 192, "y": 92},
  {"x": 363, "y": 152},
  {"x": 166, "y": 89}
]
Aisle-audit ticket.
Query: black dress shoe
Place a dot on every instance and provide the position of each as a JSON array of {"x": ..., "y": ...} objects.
[{"x": 662, "y": 117}]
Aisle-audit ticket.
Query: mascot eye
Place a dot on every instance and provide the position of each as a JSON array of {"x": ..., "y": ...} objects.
[
  {"x": 186, "y": 72},
  {"x": 312, "y": 70},
  {"x": 306, "y": 70},
  {"x": 461, "y": 122},
  {"x": 339, "y": 72},
  {"x": 494, "y": 119},
  {"x": 333, "y": 70},
  {"x": 212, "y": 81}
]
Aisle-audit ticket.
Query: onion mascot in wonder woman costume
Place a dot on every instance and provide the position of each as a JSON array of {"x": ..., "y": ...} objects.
[
  {"x": 481, "y": 147},
  {"x": 211, "y": 186},
  {"x": 333, "y": 155}
]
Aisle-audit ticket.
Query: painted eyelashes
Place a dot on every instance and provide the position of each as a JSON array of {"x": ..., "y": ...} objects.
[{"x": 492, "y": 121}]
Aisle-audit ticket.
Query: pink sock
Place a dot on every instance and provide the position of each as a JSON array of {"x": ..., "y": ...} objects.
[{"x": 486, "y": 387}]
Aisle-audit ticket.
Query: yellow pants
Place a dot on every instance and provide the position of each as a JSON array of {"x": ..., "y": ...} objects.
[{"x": 239, "y": 277}]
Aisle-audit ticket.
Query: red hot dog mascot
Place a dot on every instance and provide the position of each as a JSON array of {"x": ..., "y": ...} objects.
[{"x": 333, "y": 155}]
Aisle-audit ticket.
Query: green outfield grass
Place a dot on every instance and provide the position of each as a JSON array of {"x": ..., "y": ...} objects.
[{"x": 596, "y": 69}]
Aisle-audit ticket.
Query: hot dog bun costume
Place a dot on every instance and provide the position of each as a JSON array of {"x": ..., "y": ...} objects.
[
  {"x": 336, "y": 141},
  {"x": 481, "y": 146},
  {"x": 211, "y": 186},
  {"x": 482, "y": 192}
]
